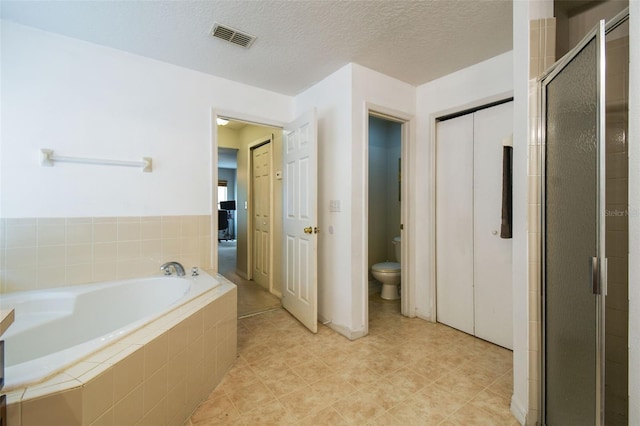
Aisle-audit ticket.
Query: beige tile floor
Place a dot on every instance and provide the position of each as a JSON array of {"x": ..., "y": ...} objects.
[
  {"x": 252, "y": 298},
  {"x": 405, "y": 372}
]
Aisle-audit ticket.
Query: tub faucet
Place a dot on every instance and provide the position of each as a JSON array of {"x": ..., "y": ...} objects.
[{"x": 176, "y": 267}]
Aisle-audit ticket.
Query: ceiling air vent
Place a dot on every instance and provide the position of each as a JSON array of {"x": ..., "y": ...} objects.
[{"x": 232, "y": 35}]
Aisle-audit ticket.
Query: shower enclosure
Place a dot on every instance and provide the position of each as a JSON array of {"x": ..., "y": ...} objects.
[{"x": 583, "y": 132}]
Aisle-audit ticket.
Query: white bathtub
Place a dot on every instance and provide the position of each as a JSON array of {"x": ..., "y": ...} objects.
[{"x": 56, "y": 328}]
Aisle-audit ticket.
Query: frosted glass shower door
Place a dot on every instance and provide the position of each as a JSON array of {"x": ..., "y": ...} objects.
[{"x": 573, "y": 242}]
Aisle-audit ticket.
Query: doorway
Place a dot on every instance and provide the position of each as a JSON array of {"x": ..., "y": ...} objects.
[
  {"x": 293, "y": 176},
  {"x": 237, "y": 256},
  {"x": 387, "y": 207},
  {"x": 385, "y": 161}
]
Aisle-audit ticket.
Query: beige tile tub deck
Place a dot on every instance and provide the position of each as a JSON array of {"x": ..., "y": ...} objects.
[{"x": 155, "y": 376}]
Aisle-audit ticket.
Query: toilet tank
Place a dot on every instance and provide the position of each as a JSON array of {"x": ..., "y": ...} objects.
[{"x": 396, "y": 243}]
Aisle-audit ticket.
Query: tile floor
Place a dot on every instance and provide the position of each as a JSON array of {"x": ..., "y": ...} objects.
[
  {"x": 405, "y": 372},
  {"x": 252, "y": 298}
]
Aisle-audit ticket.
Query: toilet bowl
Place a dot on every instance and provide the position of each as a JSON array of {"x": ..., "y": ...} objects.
[{"x": 388, "y": 274}]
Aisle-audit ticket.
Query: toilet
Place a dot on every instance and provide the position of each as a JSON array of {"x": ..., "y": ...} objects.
[{"x": 388, "y": 273}]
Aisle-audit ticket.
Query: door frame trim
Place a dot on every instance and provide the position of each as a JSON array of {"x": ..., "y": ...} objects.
[{"x": 408, "y": 129}]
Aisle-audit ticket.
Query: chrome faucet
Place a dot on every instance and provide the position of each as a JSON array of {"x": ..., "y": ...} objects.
[{"x": 176, "y": 267}]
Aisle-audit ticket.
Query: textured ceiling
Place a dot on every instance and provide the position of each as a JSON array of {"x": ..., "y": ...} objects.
[{"x": 299, "y": 42}]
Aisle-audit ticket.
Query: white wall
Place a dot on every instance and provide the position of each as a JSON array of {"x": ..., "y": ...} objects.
[
  {"x": 634, "y": 217},
  {"x": 81, "y": 99}
]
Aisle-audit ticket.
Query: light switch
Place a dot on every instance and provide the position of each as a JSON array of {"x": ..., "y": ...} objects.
[{"x": 334, "y": 205}]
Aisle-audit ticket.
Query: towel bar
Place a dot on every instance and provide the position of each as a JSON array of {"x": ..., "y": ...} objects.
[{"x": 47, "y": 158}]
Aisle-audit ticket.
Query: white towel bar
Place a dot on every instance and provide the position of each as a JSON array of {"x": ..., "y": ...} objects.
[{"x": 47, "y": 158}]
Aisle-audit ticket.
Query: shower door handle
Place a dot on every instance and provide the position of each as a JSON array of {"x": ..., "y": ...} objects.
[{"x": 595, "y": 276}]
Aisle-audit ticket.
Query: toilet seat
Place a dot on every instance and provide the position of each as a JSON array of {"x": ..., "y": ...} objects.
[{"x": 386, "y": 267}]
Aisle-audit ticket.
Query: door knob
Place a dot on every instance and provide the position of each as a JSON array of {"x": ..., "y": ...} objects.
[{"x": 308, "y": 230}]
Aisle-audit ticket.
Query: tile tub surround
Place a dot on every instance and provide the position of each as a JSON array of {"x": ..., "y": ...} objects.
[
  {"x": 39, "y": 253},
  {"x": 156, "y": 376},
  {"x": 542, "y": 43}
]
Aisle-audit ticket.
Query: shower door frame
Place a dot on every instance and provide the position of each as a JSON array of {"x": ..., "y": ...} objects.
[
  {"x": 599, "y": 33},
  {"x": 596, "y": 33}
]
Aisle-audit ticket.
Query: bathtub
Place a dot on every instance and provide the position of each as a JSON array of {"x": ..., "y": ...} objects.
[
  {"x": 68, "y": 339},
  {"x": 55, "y": 328}
]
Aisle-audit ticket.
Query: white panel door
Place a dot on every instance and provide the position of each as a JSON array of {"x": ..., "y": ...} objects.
[
  {"x": 454, "y": 219},
  {"x": 299, "y": 192},
  {"x": 261, "y": 194},
  {"x": 492, "y": 254}
]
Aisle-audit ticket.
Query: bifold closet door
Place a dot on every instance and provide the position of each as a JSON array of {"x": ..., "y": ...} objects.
[
  {"x": 492, "y": 254},
  {"x": 473, "y": 264},
  {"x": 454, "y": 219}
]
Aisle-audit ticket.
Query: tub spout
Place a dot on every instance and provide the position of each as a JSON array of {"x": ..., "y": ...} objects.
[{"x": 176, "y": 267}]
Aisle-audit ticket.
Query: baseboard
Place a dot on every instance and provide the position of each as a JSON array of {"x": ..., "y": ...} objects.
[
  {"x": 424, "y": 315},
  {"x": 323, "y": 320},
  {"x": 518, "y": 411},
  {"x": 341, "y": 329}
]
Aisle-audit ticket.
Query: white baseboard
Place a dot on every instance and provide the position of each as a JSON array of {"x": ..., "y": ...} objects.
[
  {"x": 424, "y": 315},
  {"x": 341, "y": 329},
  {"x": 518, "y": 411}
]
